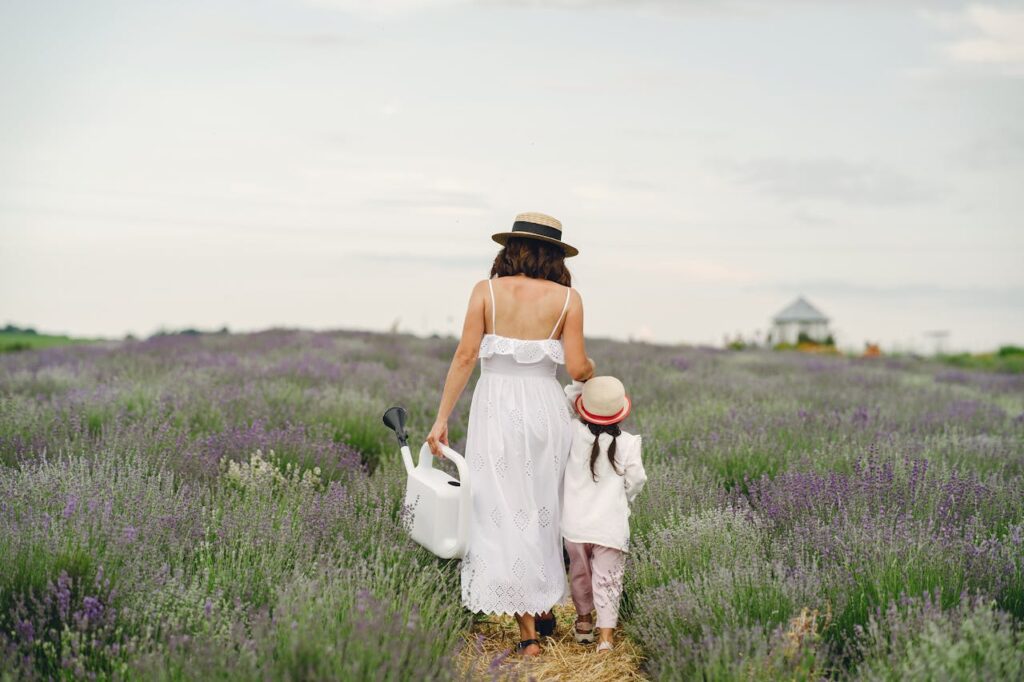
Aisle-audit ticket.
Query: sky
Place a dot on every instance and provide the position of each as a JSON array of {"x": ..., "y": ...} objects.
[{"x": 335, "y": 164}]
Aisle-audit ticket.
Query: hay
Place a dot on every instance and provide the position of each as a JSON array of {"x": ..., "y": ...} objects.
[{"x": 489, "y": 654}]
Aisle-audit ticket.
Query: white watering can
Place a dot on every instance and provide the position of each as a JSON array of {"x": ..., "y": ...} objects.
[{"x": 440, "y": 505}]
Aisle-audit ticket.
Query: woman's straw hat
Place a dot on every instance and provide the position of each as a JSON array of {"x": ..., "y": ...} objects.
[
  {"x": 537, "y": 226},
  {"x": 603, "y": 401}
]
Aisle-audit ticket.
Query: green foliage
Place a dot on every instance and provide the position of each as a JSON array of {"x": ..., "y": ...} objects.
[
  {"x": 14, "y": 339},
  {"x": 1008, "y": 359},
  {"x": 1009, "y": 351},
  {"x": 917, "y": 641}
]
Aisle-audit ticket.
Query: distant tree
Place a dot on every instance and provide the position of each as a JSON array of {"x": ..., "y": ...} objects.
[{"x": 13, "y": 329}]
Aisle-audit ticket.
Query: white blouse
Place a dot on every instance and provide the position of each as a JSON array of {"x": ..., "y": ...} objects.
[{"x": 598, "y": 511}]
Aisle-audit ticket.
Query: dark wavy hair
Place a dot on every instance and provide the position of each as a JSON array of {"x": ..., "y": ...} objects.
[{"x": 534, "y": 258}]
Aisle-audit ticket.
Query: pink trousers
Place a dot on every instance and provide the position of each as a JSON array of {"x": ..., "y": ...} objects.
[{"x": 595, "y": 580}]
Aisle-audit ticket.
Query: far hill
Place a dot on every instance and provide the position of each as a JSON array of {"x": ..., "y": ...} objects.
[{"x": 14, "y": 338}]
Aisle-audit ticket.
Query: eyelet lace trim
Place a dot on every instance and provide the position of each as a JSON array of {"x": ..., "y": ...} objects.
[
  {"x": 483, "y": 592},
  {"x": 525, "y": 351}
]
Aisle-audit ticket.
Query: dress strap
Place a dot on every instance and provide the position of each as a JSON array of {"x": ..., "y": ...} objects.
[
  {"x": 493, "y": 329},
  {"x": 565, "y": 307}
]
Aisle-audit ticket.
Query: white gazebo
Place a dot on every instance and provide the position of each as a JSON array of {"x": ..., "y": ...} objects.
[{"x": 796, "y": 318}]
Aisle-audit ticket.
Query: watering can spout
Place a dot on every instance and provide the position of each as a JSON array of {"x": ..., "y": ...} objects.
[
  {"x": 407, "y": 459},
  {"x": 394, "y": 419}
]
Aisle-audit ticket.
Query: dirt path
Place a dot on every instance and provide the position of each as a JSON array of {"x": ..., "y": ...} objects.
[{"x": 487, "y": 654}]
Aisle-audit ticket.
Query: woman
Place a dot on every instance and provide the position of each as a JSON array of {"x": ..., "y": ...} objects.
[{"x": 522, "y": 323}]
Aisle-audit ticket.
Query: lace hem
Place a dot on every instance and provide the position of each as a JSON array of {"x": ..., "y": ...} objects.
[
  {"x": 478, "y": 606},
  {"x": 525, "y": 351}
]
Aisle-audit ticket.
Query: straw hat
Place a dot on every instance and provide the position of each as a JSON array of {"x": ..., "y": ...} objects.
[
  {"x": 537, "y": 226},
  {"x": 603, "y": 401}
]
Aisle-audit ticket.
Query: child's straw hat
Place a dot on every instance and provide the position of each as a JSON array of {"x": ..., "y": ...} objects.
[
  {"x": 603, "y": 401},
  {"x": 537, "y": 226}
]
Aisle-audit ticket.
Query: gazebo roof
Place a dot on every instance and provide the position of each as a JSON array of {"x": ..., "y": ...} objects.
[{"x": 799, "y": 311}]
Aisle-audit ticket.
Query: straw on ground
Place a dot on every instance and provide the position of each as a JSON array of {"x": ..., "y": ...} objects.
[{"x": 489, "y": 654}]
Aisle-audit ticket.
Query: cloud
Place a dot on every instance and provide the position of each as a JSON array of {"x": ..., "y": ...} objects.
[
  {"x": 624, "y": 192},
  {"x": 981, "y": 297},
  {"x": 384, "y": 9},
  {"x": 631, "y": 4},
  {"x": 986, "y": 36},
  {"x": 321, "y": 39},
  {"x": 680, "y": 269},
  {"x": 812, "y": 219},
  {"x": 995, "y": 150},
  {"x": 325, "y": 38},
  {"x": 436, "y": 201},
  {"x": 440, "y": 261},
  {"x": 831, "y": 179}
]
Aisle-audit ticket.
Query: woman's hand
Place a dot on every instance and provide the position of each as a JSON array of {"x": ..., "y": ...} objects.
[{"x": 438, "y": 434}]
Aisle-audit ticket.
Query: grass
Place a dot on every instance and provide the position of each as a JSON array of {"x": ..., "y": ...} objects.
[{"x": 11, "y": 342}]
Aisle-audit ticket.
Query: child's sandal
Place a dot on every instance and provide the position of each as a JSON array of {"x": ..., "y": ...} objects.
[
  {"x": 583, "y": 636},
  {"x": 525, "y": 644}
]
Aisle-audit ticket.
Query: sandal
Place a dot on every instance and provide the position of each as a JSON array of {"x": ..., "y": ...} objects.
[
  {"x": 525, "y": 644},
  {"x": 604, "y": 646},
  {"x": 583, "y": 636},
  {"x": 545, "y": 626}
]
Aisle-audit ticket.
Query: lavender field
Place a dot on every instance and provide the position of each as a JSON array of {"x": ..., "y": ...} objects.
[{"x": 229, "y": 507}]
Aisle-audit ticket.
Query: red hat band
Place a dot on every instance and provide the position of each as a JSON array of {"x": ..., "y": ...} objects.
[{"x": 603, "y": 419}]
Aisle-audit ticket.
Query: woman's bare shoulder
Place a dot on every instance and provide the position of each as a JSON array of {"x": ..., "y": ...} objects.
[{"x": 575, "y": 299}]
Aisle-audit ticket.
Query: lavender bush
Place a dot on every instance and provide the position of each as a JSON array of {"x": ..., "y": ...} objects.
[
  {"x": 918, "y": 639},
  {"x": 229, "y": 506}
]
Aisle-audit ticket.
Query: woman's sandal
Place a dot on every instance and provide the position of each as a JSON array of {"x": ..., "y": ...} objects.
[
  {"x": 525, "y": 644},
  {"x": 583, "y": 636},
  {"x": 604, "y": 646},
  {"x": 545, "y": 626}
]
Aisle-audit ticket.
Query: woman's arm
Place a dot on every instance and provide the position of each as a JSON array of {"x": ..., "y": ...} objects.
[
  {"x": 461, "y": 367},
  {"x": 579, "y": 366}
]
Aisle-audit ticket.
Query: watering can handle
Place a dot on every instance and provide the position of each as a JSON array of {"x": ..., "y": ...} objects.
[
  {"x": 465, "y": 496},
  {"x": 427, "y": 460}
]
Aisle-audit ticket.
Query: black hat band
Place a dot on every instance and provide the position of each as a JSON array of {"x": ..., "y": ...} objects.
[{"x": 537, "y": 229}]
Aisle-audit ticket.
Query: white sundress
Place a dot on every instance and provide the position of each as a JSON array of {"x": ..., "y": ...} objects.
[{"x": 517, "y": 445}]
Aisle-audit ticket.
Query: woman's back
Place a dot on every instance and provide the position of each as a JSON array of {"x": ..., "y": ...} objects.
[{"x": 525, "y": 308}]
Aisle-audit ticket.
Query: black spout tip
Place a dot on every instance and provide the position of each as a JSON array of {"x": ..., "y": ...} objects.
[{"x": 395, "y": 418}]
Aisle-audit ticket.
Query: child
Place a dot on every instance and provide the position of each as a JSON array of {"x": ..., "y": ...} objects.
[{"x": 603, "y": 475}]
